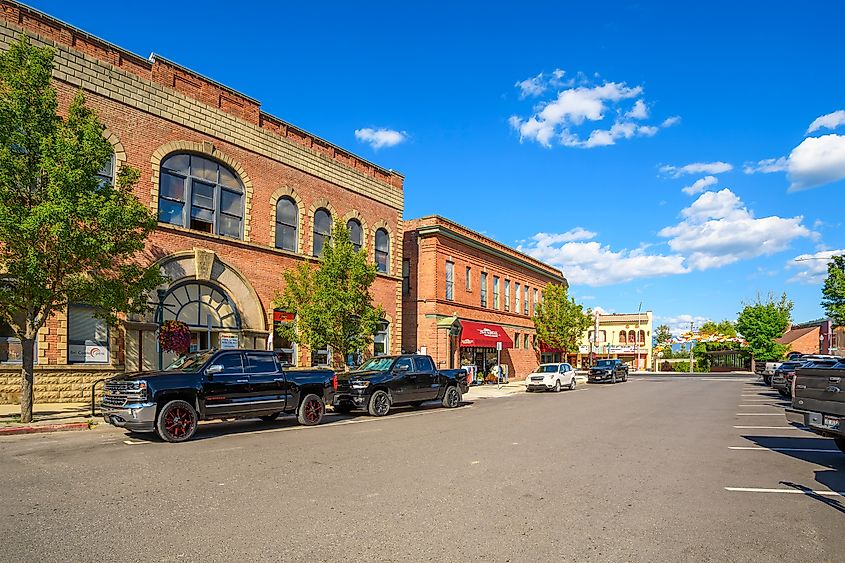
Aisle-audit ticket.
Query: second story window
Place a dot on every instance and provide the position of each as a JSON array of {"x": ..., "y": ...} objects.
[
  {"x": 496, "y": 292},
  {"x": 200, "y": 194},
  {"x": 469, "y": 278},
  {"x": 525, "y": 302},
  {"x": 382, "y": 250},
  {"x": 535, "y": 302},
  {"x": 322, "y": 230},
  {"x": 356, "y": 233},
  {"x": 507, "y": 295},
  {"x": 483, "y": 289},
  {"x": 516, "y": 297},
  {"x": 106, "y": 173},
  {"x": 450, "y": 280},
  {"x": 287, "y": 217}
]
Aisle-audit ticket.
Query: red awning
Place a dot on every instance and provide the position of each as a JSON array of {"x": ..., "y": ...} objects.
[{"x": 483, "y": 335}]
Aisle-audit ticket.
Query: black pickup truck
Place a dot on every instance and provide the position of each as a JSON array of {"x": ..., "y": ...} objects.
[
  {"x": 385, "y": 381},
  {"x": 215, "y": 384},
  {"x": 818, "y": 401},
  {"x": 608, "y": 370}
]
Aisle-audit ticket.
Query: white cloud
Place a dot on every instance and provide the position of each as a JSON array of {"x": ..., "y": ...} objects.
[
  {"x": 817, "y": 161},
  {"x": 717, "y": 230},
  {"x": 558, "y": 119},
  {"x": 670, "y": 121},
  {"x": 594, "y": 264},
  {"x": 639, "y": 111},
  {"x": 830, "y": 121},
  {"x": 699, "y": 185},
  {"x": 767, "y": 166},
  {"x": 696, "y": 168},
  {"x": 680, "y": 324},
  {"x": 380, "y": 138},
  {"x": 812, "y": 268}
]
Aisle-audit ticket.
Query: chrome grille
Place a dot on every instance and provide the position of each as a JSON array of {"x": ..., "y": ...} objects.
[
  {"x": 113, "y": 401},
  {"x": 118, "y": 393}
]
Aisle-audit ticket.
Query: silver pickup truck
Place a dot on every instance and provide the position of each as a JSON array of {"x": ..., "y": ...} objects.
[{"x": 818, "y": 401}]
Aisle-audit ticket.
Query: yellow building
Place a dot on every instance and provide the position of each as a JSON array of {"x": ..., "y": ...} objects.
[{"x": 626, "y": 336}]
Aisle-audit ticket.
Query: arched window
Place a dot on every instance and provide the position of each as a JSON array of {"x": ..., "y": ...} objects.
[
  {"x": 623, "y": 337},
  {"x": 632, "y": 337},
  {"x": 642, "y": 338},
  {"x": 356, "y": 233},
  {"x": 287, "y": 217},
  {"x": 322, "y": 230},
  {"x": 382, "y": 250},
  {"x": 201, "y": 194}
]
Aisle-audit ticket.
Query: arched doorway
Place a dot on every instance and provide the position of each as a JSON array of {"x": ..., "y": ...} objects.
[{"x": 205, "y": 308}]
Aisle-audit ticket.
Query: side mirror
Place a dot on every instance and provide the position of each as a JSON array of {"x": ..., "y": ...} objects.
[{"x": 211, "y": 370}]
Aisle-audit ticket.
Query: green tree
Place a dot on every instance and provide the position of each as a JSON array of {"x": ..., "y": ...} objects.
[
  {"x": 763, "y": 321},
  {"x": 560, "y": 322},
  {"x": 722, "y": 328},
  {"x": 833, "y": 292},
  {"x": 65, "y": 235},
  {"x": 332, "y": 302},
  {"x": 662, "y": 335}
]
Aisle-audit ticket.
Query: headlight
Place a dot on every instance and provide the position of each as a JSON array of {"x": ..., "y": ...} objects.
[{"x": 360, "y": 384}]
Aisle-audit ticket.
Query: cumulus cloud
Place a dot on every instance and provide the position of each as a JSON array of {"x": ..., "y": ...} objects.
[
  {"x": 696, "y": 168},
  {"x": 717, "y": 229},
  {"x": 559, "y": 120},
  {"x": 699, "y": 185},
  {"x": 380, "y": 138},
  {"x": 767, "y": 166},
  {"x": 812, "y": 268},
  {"x": 593, "y": 264},
  {"x": 817, "y": 161},
  {"x": 680, "y": 324},
  {"x": 670, "y": 121},
  {"x": 830, "y": 121}
]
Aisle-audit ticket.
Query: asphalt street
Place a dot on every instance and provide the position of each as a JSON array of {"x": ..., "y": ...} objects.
[{"x": 656, "y": 469}]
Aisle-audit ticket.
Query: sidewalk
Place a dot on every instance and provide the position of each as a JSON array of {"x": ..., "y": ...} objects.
[
  {"x": 488, "y": 391},
  {"x": 47, "y": 417}
]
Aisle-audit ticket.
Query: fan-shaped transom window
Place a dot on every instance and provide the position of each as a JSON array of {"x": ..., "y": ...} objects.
[
  {"x": 287, "y": 217},
  {"x": 382, "y": 250},
  {"x": 200, "y": 306},
  {"x": 356, "y": 233},
  {"x": 322, "y": 230},
  {"x": 201, "y": 194}
]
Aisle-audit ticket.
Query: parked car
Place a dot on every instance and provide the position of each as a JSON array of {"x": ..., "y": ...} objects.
[
  {"x": 818, "y": 401},
  {"x": 551, "y": 377},
  {"x": 782, "y": 377},
  {"x": 215, "y": 384},
  {"x": 385, "y": 381},
  {"x": 766, "y": 370},
  {"x": 608, "y": 370}
]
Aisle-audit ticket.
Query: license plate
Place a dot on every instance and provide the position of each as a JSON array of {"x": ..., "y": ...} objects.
[{"x": 832, "y": 422}]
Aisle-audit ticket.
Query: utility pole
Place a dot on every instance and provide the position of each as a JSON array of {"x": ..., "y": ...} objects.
[{"x": 691, "y": 346}]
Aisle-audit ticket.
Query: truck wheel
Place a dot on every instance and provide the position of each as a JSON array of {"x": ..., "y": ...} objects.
[
  {"x": 557, "y": 386},
  {"x": 840, "y": 443},
  {"x": 311, "y": 410},
  {"x": 270, "y": 417},
  {"x": 452, "y": 397},
  {"x": 613, "y": 378},
  {"x": 379, "y": 403},
  {"x": 176, "y": 421},
  {"x": 572, "y": 384},
  {"x": 624, "y": 378}
]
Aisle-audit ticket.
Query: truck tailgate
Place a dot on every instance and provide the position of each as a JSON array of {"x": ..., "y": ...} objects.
[{"x": 820, "y": 390}]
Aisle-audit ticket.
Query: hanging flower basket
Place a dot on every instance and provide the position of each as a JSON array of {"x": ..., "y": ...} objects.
[{"x": 174, "y": 336}]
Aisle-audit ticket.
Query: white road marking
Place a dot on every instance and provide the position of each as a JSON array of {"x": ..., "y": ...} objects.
[
  {"x": 737, "y": 380},
  {"x": 759, "y": 414},
  {"x": 758, "y": 448},
  {"x": 131, "y": 443},
  {"x": 769, "y": 427},
  {"x": 761, "y": 405},
  {"x": 787, "y": 491}
]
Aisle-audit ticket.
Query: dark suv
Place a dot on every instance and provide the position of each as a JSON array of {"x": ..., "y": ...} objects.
[{"x": 608, "y": 370}]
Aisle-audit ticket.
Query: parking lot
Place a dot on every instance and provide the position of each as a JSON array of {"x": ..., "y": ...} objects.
[{"x": 658, "y": 468}]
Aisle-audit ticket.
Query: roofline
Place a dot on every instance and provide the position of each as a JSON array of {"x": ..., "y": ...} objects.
[{"x": 521, "y": 258}]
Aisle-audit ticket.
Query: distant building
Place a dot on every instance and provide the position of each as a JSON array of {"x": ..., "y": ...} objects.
[
  {"x": 626, "y": 336},
  {"x": 813, "y": 337},
  {"x": 463, "y": 293}
]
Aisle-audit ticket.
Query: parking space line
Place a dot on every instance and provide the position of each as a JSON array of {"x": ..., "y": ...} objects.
[
  {"x": 759, "y": 414},
  {"x": 787, "y": 491},
  {"x": 758, "y": 448},
  {"x": 761, "y": 405},
  {"x": 770, "y": 428}
]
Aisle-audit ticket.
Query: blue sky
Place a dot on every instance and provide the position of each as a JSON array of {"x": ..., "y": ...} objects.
[{"x": 567, "y": 129}]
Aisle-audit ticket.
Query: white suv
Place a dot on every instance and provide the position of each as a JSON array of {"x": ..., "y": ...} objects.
[{"x": 551, "y": 377}]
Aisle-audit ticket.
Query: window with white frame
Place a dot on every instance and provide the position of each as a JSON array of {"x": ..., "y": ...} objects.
[
  {"x": 382, "y": 250},
  {"x": 507, "y": 295},
  {"x": 450, "y": 280},
  {"x": 381, "y": 341},
  {"x": 483, "y": 289},
  {"x": 525, "y": 302},
  {"x": 517, "y": 293},
  {"x": 87, "y": 336},
  {"x": 496, "y": 292}
]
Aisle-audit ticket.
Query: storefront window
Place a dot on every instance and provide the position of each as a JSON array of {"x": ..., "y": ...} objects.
[
  {"x": 284, "y": 348},
  {"x": 87, "y": 336},
  {"x": 321, "y": 357},
  {"x": 11, "y": 351}
]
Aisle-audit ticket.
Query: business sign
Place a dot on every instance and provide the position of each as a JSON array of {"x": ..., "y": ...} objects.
[
  {"x": 283, "y": 317},
  {"x": 228, "y": 342},
  {"x": 85, "y": 354}
]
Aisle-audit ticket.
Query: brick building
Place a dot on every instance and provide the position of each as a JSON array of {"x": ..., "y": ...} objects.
[
  {"x": 241, "y": 197},
  {"x": 813, "y": 337},
  {"x": 464, "y": 292}
]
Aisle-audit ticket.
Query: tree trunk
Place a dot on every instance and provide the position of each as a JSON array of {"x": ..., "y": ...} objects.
[{"x": 27, "y": 377}]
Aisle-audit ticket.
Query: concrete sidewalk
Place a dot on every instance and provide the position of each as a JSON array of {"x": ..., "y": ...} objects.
[
  {"x": 47, "y": 417},
  {"x": 490, "y": 391}
]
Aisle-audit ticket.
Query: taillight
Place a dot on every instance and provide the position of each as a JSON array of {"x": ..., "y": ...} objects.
[{"x": 334, "y": 382}]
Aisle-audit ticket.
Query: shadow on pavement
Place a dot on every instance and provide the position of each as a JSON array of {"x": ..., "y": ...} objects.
[{"x": 831, "y": 502}]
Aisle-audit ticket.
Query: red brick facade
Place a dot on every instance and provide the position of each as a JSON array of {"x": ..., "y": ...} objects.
[
  {"x": 432, "y": 242},
  {"x": 153, "y": 109}
]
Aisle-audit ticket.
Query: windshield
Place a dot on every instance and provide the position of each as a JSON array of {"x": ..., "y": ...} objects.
[
  {"x": 604, "y": 363},
  {"x": 546, "y": 368},
  {"x": 382, "y": 363},
  {"x": 190, "y": 363}
]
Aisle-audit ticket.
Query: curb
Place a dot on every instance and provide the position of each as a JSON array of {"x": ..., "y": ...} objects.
[{"x": 11, "y": 431}]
